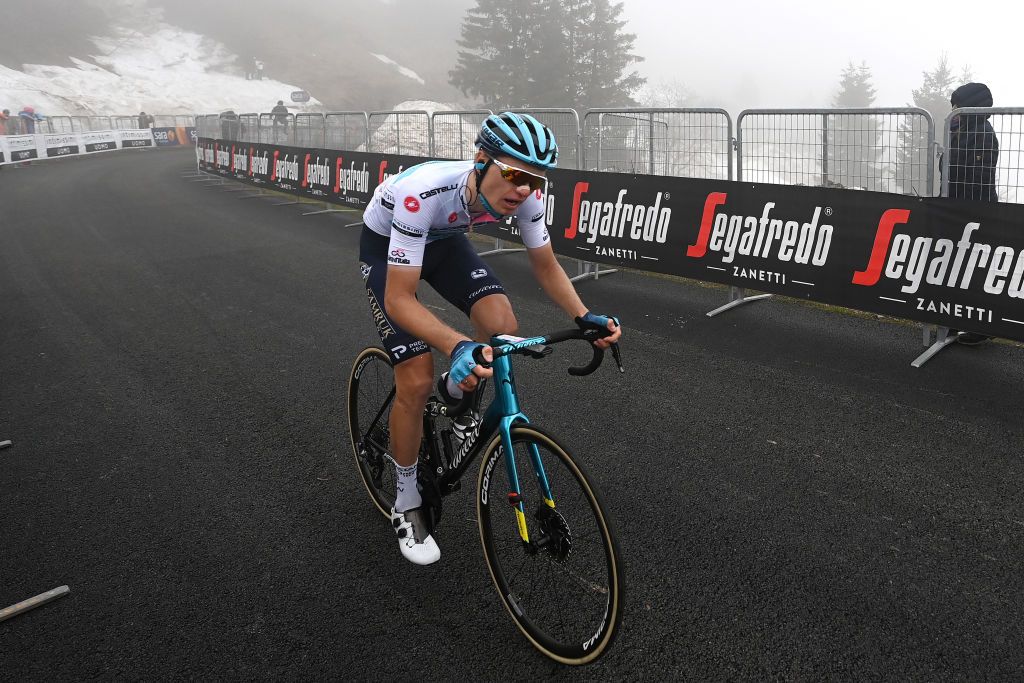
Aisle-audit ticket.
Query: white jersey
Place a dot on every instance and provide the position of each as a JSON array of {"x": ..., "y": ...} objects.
[{"x": 431, "y": 205}]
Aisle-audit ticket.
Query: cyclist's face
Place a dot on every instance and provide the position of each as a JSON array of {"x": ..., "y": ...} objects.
[{"x": 502, "y": 194}]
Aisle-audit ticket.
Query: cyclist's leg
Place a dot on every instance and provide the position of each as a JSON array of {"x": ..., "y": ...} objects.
[
  {"x": 414, "y": 371},
  {"x": 462, "y": 277}
]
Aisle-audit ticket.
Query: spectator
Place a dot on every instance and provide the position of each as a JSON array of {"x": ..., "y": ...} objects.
[
  {"x": 973, "y": 154},
  {"x": 973, "y": 148},
  {"x": 259, "y": 70},
  {"x": 28, "y": 118},
  {"x": 4, "y": 118},
  {"x": 280, "y": 113},
  {"x": 145, "y": 120}
]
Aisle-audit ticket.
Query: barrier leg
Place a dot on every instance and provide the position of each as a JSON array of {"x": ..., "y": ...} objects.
[
  {"x": 32, "y": 603},
  {"x": 499, "y": 248},
  {"x": 942, "y": 339},
  {"x": 589, "y": 269},
  {"x": 737, "y": 297}
]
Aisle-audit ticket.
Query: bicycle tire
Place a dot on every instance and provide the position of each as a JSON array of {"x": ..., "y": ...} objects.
[
  {"x": 580, "y": 517},
  {"x": 369, "y": 384}
]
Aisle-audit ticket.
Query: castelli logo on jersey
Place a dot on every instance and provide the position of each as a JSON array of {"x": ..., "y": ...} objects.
[
  {"x": 452, "y": 217},
  {"x": 412, "y": 205},
  {"x": 763, "y": 236},
  {"x": 640, "y": 222}
]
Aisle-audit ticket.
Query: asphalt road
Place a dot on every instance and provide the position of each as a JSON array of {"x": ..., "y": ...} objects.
[{"x": 794, "y": 501}]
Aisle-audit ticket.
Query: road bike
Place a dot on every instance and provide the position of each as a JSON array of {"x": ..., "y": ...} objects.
[{"x": 547, "y": 540}]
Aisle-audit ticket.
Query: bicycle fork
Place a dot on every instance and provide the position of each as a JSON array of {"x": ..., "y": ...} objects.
[{"x": 515, "y": 497}]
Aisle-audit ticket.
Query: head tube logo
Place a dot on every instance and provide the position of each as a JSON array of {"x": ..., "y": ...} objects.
[{"x": 412, "y": 205}]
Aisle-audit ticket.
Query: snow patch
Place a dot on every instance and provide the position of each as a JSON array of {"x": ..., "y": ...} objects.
[
  {"x": 409, "y": 73},
  {"x": 165, "y": 70}
]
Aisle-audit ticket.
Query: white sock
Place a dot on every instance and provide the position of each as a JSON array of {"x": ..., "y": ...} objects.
[
  {"x": 452, "y": 388},
  {"x": 407, "y": 494}
]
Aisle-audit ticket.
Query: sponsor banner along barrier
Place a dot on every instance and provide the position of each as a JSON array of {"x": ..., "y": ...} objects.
[
  {"x": 20, "y": 148},
  {"x": 175, "y": 136},
  {"x": 948, "y": 262}
]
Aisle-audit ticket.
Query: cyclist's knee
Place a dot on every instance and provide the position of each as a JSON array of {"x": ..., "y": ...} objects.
[
  {"x": 414, "y": 380},
  {"x": 493, "y": 315}
]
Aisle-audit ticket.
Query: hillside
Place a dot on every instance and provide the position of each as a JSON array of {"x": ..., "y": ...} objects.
[{"x": 117, "y": 56}]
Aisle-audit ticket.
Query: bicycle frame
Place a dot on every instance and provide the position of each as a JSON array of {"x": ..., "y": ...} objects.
[{"x": 501, "y": 415}]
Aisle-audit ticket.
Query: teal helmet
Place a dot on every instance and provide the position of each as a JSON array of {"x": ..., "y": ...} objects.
[{"x": 520, "y": 136}]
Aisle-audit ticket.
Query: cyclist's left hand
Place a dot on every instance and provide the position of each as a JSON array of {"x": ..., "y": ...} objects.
[{"x": 608, "y": 322}]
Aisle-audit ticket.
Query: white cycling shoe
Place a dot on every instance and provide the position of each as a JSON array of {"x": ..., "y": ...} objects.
[{"x": 416, "y": 544}]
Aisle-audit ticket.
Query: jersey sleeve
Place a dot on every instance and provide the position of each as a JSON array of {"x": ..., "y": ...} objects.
[
  {"x": 530, "y": 219},
  {"x": 409, "y": 227}
]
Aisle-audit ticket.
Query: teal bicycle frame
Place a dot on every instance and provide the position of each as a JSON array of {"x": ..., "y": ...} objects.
[{"x": 501, "y": 416}]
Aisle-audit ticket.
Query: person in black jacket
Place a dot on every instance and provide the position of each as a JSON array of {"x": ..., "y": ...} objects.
[
  {"x": 973, "y": 148},
  {"x": 973, "y": 154}
]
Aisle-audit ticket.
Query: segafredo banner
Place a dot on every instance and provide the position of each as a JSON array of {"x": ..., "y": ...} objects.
[
  {"x": 936, "y": 260},
  {"x": 331, "y": 175}
]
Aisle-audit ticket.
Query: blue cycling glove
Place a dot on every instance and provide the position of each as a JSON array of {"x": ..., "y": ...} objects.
[
  {"x": 588, "y": 319},
  {"x": 462, "y": 360}
]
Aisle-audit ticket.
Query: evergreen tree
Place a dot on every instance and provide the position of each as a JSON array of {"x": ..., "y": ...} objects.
[
  {"x": 496, "y": 56},
  {"x": 914, "y": 151},
  {"x": 853, "y": 148},
  {"x": 602, "y": 55},
  {"x": 542, "y": 53}
]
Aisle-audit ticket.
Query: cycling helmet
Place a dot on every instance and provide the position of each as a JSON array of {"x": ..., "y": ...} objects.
[{"x": 520, "y": 136}]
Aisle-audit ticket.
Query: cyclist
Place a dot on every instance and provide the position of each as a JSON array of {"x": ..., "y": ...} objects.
[{"x": 415, "y": 229}]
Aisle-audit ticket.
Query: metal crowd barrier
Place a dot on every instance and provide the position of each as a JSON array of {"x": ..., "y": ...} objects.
[
  {"x": 310, "y": 130},
  {"x": 400, "y": 132},
  {"x": 888, "y": 150},
  {"x": 277, "y": 128},
  {"x": 347, "y": 130},
  {"x": 454, "y": 132},
  {"x": 691, "y": 143}
]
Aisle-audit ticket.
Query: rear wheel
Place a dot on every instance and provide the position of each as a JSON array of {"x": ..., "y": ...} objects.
[
  {"x": 371, "y": 391},
  {"x": 563, "y": 588}
]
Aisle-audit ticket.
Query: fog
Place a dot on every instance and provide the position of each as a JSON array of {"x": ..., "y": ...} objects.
[{"x": 789, "y": 53}]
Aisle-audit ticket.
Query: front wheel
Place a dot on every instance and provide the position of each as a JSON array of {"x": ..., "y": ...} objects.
[{"x": 562, "y": 584}]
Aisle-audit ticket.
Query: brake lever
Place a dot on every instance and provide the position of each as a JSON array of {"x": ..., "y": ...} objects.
[{"x": 617, "y": 355}]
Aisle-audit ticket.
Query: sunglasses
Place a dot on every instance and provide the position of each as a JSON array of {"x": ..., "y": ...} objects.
[{"x": 519, "y": 177}]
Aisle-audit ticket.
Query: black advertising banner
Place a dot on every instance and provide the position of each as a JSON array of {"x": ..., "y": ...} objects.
[{"x": 935, "y": 260}]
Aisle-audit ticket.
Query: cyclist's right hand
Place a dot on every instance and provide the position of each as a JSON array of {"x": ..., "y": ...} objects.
[{"x": 464, "y": 370}]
